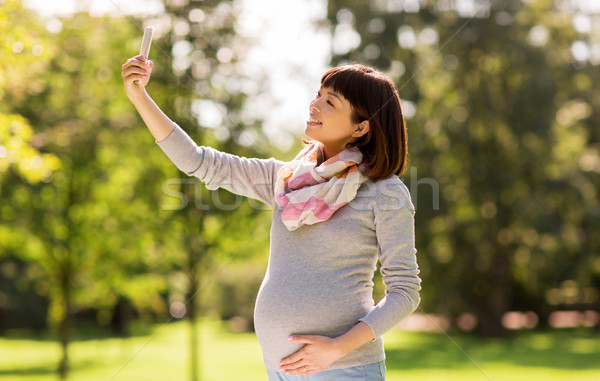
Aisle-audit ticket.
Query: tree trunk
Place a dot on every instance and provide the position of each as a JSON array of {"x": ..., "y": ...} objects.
[
  {"x": 122, "y": 316},
  {"x": 496, "y": 302}
]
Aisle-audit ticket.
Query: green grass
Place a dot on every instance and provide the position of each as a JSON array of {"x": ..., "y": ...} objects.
[
  {"x": 528, "y": 356},
  {"x": 161, "y": 354}
]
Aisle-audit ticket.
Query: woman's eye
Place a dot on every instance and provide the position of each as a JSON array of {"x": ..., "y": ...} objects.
[{"x": 328, "y": 102}]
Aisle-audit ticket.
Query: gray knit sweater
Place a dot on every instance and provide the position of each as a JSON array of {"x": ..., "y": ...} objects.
[{"x": 319, "y": 277}]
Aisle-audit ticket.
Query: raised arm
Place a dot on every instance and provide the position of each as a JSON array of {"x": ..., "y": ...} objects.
[
  {"x": 252, "y": 178},
  {"x": 136, "y": 74}
]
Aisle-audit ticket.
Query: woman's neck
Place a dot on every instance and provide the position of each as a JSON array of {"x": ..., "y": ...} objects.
[{"x": 329, "y": 152}]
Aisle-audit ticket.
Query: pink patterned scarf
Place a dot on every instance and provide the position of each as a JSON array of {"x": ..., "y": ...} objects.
[{"x": 311, "y": 193}]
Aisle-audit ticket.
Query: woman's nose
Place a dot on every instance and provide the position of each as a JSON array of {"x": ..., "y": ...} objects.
[{"x": 313, "y": 105}]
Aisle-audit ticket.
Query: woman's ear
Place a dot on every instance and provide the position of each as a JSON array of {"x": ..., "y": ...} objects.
[{"x": 360, "y": 129}]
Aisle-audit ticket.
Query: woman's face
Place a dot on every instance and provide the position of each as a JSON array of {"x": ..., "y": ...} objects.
[{"x": 330, "y": 121}]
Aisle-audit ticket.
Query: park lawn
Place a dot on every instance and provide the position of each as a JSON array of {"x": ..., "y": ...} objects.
[
  {"x": 527, "y": 356},
  {"x": 161, "y": 354}
]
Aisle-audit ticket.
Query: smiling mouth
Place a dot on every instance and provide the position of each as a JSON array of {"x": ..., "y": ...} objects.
[{"x": 314, "y": 121}]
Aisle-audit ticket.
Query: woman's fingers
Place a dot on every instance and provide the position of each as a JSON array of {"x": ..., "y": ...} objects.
[
  {"x": 301, "y": 370},
  {"x": 291, "y": 359},
  {"x": 136, "y": 73},
  {"x": 138, "y": 77},
  {"x": 318, "y": 353},
  {"x": 137, "y": 70},
  {"x": 132, "y": 62},
  {"x": 134, "y": 70},
  {"x": 291, "y": 364},
  {"x": 296, "y": 366}
]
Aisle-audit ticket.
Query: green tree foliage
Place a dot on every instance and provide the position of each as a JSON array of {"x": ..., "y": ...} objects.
[
  {"x": 504, "y": 130},
  {"x": 81, "y": 218},
  {"x": 25, "y": 55},
  {"x": 101, "y": 218}
]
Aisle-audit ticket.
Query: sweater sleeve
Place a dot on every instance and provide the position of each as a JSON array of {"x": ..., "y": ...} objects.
[
  {"x": 394, "y": 224},
  {"x": 254, "y": 178}
]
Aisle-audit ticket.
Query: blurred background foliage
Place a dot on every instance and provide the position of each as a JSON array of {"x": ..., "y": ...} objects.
[
  {"x": 503, "y": 115},
  {"x": 96, "y": 225}
]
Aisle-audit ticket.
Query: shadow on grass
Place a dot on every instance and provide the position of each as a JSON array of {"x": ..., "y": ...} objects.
[
  {"x": 44, "y": 370},
  {"x": 81, "y": 332},
  {"x": 37, "y": 371},
  {"x": 555, "y": 349}
]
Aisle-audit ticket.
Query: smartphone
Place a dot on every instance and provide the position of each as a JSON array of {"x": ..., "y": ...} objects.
[{"x": 147, "y": 41}]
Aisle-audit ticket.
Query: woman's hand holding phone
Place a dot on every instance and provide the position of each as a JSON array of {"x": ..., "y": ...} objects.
[
  {"x": 136, "y": 75},
  {"x": 137, "y": 70}
]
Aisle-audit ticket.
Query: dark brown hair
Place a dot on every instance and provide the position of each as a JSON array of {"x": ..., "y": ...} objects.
[{"x": 373, "y": 97}]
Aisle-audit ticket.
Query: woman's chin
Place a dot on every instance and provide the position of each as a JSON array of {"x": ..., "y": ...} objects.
[{"x": 308, "y": 131}]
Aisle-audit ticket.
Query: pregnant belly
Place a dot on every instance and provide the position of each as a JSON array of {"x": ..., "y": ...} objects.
[
  {"x": 309, "y": 309},
  {"x": 285, "y": 308}
]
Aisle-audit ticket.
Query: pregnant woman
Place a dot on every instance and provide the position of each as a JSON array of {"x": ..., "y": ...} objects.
[{"x": 338, "y": 208}]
